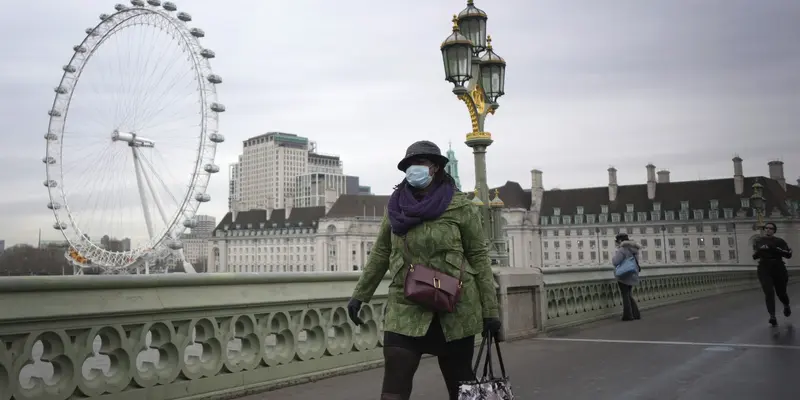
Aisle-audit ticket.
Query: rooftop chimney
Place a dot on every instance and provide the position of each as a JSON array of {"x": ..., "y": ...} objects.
[
  {"x": 651, "y": 181},
  {"x": 612, "y": 184},
  {"x": 738, "y": 175},
  {"x": 663, "y": 176},
  {"x": 798, "y": 181},
  {"x": 776, "y": 172},
  {"x": 537, "y": 189}
]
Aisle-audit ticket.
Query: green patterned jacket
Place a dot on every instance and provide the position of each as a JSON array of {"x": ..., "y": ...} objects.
[{"x": 441, "y": 244}]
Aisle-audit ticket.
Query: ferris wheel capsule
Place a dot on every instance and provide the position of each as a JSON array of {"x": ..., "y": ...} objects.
[{"x": 149, "y": 150}]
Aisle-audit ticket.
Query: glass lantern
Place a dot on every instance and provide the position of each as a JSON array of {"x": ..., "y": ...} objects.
[
  {"x": 493, "y": 74},
  {"x": 457, "y": 57},
  {"x": 472, "y": 22}
]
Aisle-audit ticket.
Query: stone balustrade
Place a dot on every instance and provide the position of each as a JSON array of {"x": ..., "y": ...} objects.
[{"x": 225, "y": 335}]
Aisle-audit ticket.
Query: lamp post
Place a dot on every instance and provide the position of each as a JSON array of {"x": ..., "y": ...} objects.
[
  {"x": 757, "y": 202},
  {"x": 470, "y": 60}
]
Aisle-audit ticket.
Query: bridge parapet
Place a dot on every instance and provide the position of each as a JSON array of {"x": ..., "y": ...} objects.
[{"x": 225, "y": 335}]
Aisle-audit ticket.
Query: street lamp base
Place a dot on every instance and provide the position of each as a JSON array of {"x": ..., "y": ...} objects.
[
  {"x": 459, "y": 90},
  {"x": 483, "y": 139}
]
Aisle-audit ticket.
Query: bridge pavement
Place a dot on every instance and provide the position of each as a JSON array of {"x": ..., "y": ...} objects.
[{"x": 714, "y": 348}]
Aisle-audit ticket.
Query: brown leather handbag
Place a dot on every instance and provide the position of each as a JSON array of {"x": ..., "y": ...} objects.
[{"x": 430, "y": 288}]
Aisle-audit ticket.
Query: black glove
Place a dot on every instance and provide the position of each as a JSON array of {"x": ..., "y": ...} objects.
[
  {"x": 491, "y": 325},
  {"x": 353, "y": 307}
]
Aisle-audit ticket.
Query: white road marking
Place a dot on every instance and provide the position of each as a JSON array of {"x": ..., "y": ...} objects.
[
  {"x": 692, "y": 318},
  {"x": 657, "y": 342}
]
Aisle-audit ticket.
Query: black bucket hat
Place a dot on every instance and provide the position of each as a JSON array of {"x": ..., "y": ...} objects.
[{"x": 423, "y": 149}]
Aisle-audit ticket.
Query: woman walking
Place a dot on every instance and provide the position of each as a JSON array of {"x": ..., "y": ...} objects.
[
  {"x": 770, "y": 251},
  {"x": 434, "y": 229},
  {"x": 627, "y": 248}
]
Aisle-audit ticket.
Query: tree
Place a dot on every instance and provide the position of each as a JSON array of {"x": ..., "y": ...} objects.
[{"x": 24, "y": 259}]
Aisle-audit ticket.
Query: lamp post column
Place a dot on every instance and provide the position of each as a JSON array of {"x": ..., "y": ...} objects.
[{"x": 469, "y": 59}]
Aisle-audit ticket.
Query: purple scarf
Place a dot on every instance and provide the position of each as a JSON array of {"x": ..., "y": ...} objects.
[{"x": 406, "y": 212}]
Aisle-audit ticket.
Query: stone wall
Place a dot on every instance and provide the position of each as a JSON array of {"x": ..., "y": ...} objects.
[{"x": 204, "y": 336}]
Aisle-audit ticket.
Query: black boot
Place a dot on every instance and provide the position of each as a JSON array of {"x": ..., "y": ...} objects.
[
  {"x": 773, "y": 321},
  {"x": 787, "y": 311}
]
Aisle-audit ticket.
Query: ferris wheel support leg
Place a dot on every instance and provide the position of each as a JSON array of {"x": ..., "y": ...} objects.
[
  {"x": 156, "y": 197},
  {"x": 187, "y": 266},
  {"x": 137, "y": 165}
]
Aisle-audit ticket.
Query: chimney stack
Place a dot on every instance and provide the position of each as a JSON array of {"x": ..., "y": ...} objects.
[
  {"x": 612, "y": 184},
  {"x": 776, "y": 172},
  {"x": 663, "y": 176},
  {"x": 651, "y": 181},
  {"x": 738, "y": 175},
  {"x": 798, "y": 181},
  {"x": 537, "y": 189}
]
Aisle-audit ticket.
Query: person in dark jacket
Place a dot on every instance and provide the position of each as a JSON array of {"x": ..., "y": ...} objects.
[
  {"x": 627, "y": 248},
  {"x": 770, "y": 251}
]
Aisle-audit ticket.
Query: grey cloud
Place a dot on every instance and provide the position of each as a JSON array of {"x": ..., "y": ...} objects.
[{"x": 684, "y": 86}]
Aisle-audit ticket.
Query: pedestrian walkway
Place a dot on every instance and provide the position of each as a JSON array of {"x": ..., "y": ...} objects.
[{"x": 714, "y": 348}]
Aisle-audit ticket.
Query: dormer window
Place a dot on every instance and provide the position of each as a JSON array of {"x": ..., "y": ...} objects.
[
  {"x": 698, "y": 214},
  {"x": 615, "y": 217},
  {"x": 226, "y": 227},
  {"x": 684, "y": 206},
  {"x": 261, "y": 225},
  {"x": 556, "y": 211},
  {"x": 249, "y": 226},
  {"x": 745, "y": 202},
  {"x": 567, "y": 220},
  {"x": 657, "y": 206},
  {"x": 728, "y": 213},
  {"x": 238, "y": 226},
  {"x": 590, "y": 218},
  {"x": 714, "y": 204},
  {"x": 580, "y": 210},
  {"x": 629, "y": 207},
  {"x": 604, "y": 209}
]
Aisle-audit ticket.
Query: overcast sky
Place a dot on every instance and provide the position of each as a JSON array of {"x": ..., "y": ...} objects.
[{"x": 685, "y": 85}]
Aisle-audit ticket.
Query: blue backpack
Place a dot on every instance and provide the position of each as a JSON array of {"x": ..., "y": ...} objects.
[{"x": 629, "y": 266}]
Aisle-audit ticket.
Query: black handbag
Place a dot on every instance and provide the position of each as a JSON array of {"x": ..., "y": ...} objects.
[{"x": 488, "y": 386}]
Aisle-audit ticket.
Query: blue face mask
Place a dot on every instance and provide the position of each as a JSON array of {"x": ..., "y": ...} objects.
[{"x": 418, "y": 176}]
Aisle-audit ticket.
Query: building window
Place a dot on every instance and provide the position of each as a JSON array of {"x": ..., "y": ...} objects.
[
  {"x": 715, "y": 241},
  {"x": 731, "y": 241},
  {"x": 579, "y": 210},
  {"x": 615, "y": 217},
  {"x": 580, "y": 244},
  {"x": 556, "y": 220},
  {"x": 713, "y": 214},
  {"x": 657, "y": 242},
  {"x": 593, "y": 255},
  {"x": 629, "y": 207},
  {"x": 714, "y": 228},
  {"x": 545, "y": 220},
  {"x": 546, "y": 256},
  {"x": 684, "y": 215},
  {"x": 685, "y": 206},
  {"x": 655, "y": 215},
  {"x": 644, "y": 242},
  {"x": 603, "y": 218},
  {"x": 698, "y": 214},
  {"x": 591, "y": 218},
  {"x": 592, "y": 244},
  {"x": 728, "y": 213},
  {"x": 579, "y": 219},
  {"x": 701, "y": 241},
  {"x": 701, "y": 255},
  {"x": 717, "y": 255},
  {"x": 628, "y": 217},
  {"x": 604, "y": 209},
  {"x": 642, "y": 216},
  {"x": 580, "y": 256},
  {"x": 673, "y": 255},
  {"x": 604, "y": 242},
  {"x": 567, "y": 220},
  {"x": 671, "y": 242},
  {"x": 731, "y": 254},
  {"x": 659, "y": 255},
  {"x": 645, "y": 256},
  {"x": 556, "y": 211},
  {"x": 687, "y": 255},
  {"x": 568, "y": 244},
  {"x": 669, "y": 215},
  {"x": 686, "y": 242},
  {"x": 657, "y": 206}
]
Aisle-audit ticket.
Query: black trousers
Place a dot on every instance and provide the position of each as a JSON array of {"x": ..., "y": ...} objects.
[
  {"x": 774, "y": 279},
  {"x": 402, "y": 355},
  {"x": 629, "y": 308}
]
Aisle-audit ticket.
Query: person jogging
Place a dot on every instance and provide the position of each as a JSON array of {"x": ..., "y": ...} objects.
[{"x": 770, "y": 251}]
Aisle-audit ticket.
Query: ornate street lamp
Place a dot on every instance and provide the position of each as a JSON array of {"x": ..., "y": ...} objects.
[
  {"x": 469, "y": 59},
  {"x": 757, "y": 202}
]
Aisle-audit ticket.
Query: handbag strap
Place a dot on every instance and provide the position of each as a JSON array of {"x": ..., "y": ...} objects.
[
  {"x": 488, "y": 365},
  {"x": 407, "y": 259}
]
